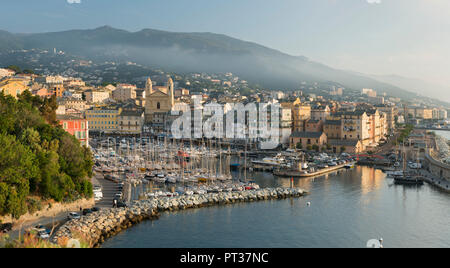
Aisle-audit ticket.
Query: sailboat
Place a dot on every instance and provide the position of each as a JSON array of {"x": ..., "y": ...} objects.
[{"x": 405, "y": 178}]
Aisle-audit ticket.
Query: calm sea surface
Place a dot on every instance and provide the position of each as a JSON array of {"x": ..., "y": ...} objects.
[
  {"x": 445, "y": 134},
  {"x": 347, "y": 209}
]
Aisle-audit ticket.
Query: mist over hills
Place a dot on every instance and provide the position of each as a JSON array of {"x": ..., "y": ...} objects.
[{"x": 196, "y": 52}]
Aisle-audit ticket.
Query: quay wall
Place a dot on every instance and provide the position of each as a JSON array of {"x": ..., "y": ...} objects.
[
  {"x": 437, "y": 168},
  {"x": 97, "y": 227}
]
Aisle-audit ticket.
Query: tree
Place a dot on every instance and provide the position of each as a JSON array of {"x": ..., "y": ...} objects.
[
  {"x": 38, "y": 158},
  {"x": 299, "y": 146},
  {"x": 16, "y": 169},
  {"x": 315, "y": 147},
  {"x": 28, "y": 71},
  {"x": 14, "y": 68},
  {"x": 343, "y": 149}
]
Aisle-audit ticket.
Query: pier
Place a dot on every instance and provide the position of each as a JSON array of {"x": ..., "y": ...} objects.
[{"x": 299, "y": 174}]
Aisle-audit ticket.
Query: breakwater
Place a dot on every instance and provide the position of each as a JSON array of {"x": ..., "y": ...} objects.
[{"x": 97, "y": 227}]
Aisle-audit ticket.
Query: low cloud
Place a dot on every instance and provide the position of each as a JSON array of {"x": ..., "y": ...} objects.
[
  {"x": 74, "y": 1},
  {"x": 374, "y": 1}
]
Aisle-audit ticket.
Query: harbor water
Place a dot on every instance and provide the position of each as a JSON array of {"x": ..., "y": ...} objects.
[
  {"x": 347, "y": 209},
  {"x": 443, "y": 133}
]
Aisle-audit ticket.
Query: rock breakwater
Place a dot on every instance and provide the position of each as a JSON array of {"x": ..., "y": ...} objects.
[{"x": 97, "y": 227}]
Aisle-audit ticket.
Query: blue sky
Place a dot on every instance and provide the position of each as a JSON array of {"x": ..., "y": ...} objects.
[{"x": 404, "y": 37}]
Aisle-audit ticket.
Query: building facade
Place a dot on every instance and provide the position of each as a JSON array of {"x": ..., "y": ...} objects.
[
  {"x": 76, "y": 126},
  {"x": 308, "y": 139},
  {"x": 103, "y": 118},
  {"x": 13, "y": 87},
  {"x": 158, "y": 104},
  {"x": 131, "y": 122},
  {"x": 96, "y": 96}
]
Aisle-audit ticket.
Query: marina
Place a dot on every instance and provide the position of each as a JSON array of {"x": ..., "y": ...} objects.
[{"x": 346, "y": 210}]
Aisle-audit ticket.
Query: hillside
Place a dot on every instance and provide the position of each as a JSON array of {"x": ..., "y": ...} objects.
[{"x": 195, "y": 52}]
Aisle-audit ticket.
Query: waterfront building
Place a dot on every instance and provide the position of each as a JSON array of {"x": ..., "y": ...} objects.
[
  {"x": 103, "y": 118},
  {"x": 439, "y": 114},
  {"x": 347, "y": 146},
  {"x": 300, "y": 113},
  {"x": 308, "y": 139},
  {"x": 333, "y": 129},
  {"x": 76, "y": 126},
  {"x": 391, "y": 112},
  {"x": 376, "y": 129},
  {"x": 355, "y": 126},
  {"x": 419, "y": 113},
  {"x": 131, "y": 121},
  {"x": 312, "y": 125},
  {"x": 285, "y": 125},
  {"x": 320, "y": 112}
]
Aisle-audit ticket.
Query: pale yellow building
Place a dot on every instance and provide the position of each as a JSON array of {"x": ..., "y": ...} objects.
[
  {"x": 124, "y": 92},
  {"x": 96, "y": 96},
  {"x": 300, "y": 113},
  {"x": 103, "y": 118},
  {"x": 12, "y": 87},
  {"x": 130, "y": 122},
  {"x": 158, "y": 103}
]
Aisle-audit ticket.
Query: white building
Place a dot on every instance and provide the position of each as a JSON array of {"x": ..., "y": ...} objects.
[{"x": 6, "y": 73}]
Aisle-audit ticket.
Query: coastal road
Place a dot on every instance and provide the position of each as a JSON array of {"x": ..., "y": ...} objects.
[{"x": 109, "y": 190}]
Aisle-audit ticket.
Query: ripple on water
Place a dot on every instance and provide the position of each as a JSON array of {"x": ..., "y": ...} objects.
[{"x": 347, "y": 210}]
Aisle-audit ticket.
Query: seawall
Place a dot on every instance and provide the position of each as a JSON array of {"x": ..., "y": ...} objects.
[{"x": 97, "y": 227}]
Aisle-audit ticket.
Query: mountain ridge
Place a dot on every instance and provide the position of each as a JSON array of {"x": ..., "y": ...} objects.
[{"x": 195, "y": 52}]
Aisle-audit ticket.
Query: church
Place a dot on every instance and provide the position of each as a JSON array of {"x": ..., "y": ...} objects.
[{"x": 159, "y": 101}]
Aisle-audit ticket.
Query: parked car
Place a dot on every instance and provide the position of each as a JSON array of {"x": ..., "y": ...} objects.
[
  {"x": 95, "y": 209},
  {"x": 73, "y": 216},
  {"x": 41, "y": 228},
  {"x": 4, "y": 228},
  {"x": 121, "y": 204},
  {"x": 43, "y": 235},
  {"x": 87, "y": 211}
]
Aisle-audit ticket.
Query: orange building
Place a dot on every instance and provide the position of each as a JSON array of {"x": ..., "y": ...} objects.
[
  {"x": 76, "y": 126},
  {"x": 57, "y": 89}
]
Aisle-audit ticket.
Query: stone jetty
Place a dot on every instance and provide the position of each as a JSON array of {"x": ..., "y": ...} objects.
[{"x": 98, "y": 226}]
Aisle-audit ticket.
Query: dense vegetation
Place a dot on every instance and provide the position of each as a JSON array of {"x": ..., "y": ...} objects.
[
  {"x": 404, "y": 134},
  {"x": 38, "y": 159}
]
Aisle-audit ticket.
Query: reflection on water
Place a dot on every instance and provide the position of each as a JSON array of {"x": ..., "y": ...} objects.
[{"x": 347, "y": 209}]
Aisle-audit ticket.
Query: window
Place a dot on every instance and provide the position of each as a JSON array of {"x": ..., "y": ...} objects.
[{"x": 158, "y": 106}]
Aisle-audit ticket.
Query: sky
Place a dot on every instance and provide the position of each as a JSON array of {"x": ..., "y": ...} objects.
[{"x": 410, "y": 38}]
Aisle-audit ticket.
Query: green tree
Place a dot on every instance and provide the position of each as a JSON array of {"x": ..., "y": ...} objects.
[{"x": 14, "y": 68}]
